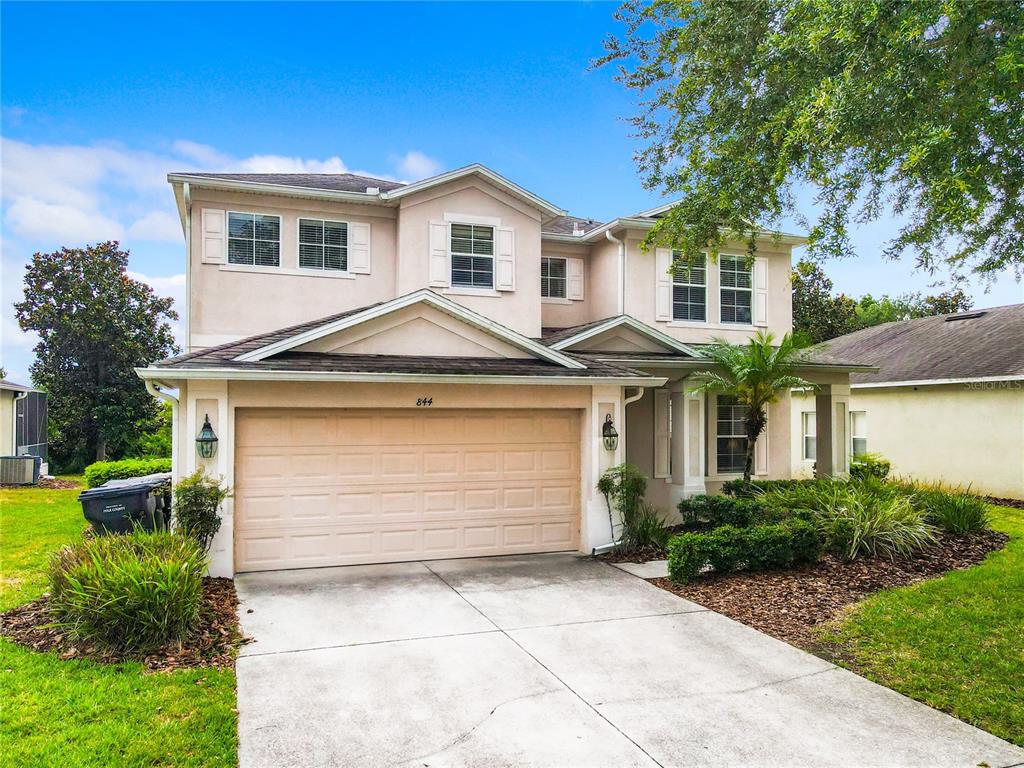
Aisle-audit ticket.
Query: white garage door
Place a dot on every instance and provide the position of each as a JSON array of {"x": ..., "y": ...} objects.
[{"x": 345, "y": 486}]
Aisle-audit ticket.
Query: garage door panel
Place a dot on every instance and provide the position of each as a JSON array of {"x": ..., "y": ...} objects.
[{"x": 449, "y": 484}]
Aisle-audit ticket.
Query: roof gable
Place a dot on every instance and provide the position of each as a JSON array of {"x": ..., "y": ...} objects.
[
  {"x": 303, "y": 338},
  {"x": 618, "y": 334}
]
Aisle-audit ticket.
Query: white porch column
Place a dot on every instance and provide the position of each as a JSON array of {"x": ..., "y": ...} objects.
[
  {"x": 210, "y": 398},
  {"x": 831, "y": 420},
  {"x": 605, "y": 400},
  {"x": 687, "y": 442}
]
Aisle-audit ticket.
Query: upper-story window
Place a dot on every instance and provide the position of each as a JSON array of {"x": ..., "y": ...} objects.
[
  {"x": 323, "y": 244},
  {"x": 689, "y": 288},
  {"x": 553, "y": 278},
  {"x": 254, "y": 239},
  {"x": 472, "y": 249},
  {"x": 737, "y": 290}
]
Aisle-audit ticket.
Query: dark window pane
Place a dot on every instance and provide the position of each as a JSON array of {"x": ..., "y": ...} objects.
[
  {"x": 240, "y": 225},
  {"x": 336, "y": 233},
  {"x": 335, "y": 258},
  {"x": 311, "y": 256},
  {"x": 239, "y": 251},
  {"x": 267, "y": 254},
  {"x": 268, "y": 228},
  {"x": 311, "y": 231}
]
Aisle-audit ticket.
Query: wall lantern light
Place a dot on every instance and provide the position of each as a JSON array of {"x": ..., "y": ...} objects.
[
  {"x": 206, "y": 443},
  {"x": 609, "y": 434}
]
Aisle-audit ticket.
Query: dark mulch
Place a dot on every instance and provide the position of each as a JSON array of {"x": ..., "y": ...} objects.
[
  {"x": 789, "y": 604},
  {"x": 1015, "y": 503},
  {"x": 633, "y": 555},
  {"x": 213, "y": 643},
  {"x": 52, "y": 483}
]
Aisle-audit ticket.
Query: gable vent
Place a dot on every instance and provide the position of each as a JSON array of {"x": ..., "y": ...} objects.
[{"x": 963, "y": 316}]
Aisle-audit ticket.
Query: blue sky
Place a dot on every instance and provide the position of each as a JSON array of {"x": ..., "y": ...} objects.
[{"x": 100, "y": 101}]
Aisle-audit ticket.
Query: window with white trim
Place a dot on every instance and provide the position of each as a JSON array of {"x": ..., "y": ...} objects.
[
  {"x": 553, "y": 277},
  {"x": 323, "y": 244},
  {"x": 810, "y": 435},
  {"x": 689, "y": 288},
  {"x": 859, "y": 432},
  {"x": 472, "y": 248},
  {"x": 731, "y": 435},
  {"x": 254, "y": 239},
  {"x": 736, "y": 290}
]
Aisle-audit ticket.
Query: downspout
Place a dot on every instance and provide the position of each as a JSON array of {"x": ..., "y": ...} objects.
[
  {"x": 186, "y": 193},
  {"x": 611, "y": 525},
  {"x": 159, "y": 394},
  {"x": 621, "y": 310}
]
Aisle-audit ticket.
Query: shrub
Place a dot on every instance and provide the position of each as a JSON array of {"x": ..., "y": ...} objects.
[
  {"x": 644, "y": 529},
  {"x": 101, "y": 471},
  {"x": 742, "y": 489},
  {"x": 134, "y": 593},
  {"x": 869, "y": 465},
  {"x": 641, "y": 526},
  {"x": 197, "y": 500},
  {"x": 727, "y": 548},
  {"x": 713, "y": 511},
  {"x": 956, "y": 510}
]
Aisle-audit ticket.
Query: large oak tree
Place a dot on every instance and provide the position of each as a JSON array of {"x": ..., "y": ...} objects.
[
  {"x": 95, "y": 325},
  {"x": 882, "y": 107}
]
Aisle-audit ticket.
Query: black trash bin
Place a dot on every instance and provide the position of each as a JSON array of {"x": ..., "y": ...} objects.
[{"x": 118, "y": 506}]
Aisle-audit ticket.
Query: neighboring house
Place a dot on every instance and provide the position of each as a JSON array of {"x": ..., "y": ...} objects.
[
  {"x": 398, "y": 372},
  {"x": 22, "y": 420},
  {"x": 947, "y": 401}
]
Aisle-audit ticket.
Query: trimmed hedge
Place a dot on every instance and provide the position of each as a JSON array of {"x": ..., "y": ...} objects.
[
  {"x": 100, "y": 472},
  {"x": 713, "y": 511},
  {"x": 794, "y": 541},
  {"x": 741, "y": 489}
]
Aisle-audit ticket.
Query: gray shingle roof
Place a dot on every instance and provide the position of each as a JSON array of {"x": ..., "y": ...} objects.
[
  {"x": 564, "y": 225},
  {"x": 335, "y": 182},
  {"x": 979, "y": 343}
]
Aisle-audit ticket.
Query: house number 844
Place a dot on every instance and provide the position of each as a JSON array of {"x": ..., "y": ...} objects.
[{"x": 424, "y": 401}]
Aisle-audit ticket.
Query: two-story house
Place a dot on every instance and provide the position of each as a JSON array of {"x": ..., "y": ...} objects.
[{"x": 402, "y": 372}]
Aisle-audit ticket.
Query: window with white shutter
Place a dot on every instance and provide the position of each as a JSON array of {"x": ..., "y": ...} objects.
[
  {"x": 254, "y": 239},
  {"x": 323, "y": 244},
  {"x": 472, "y": 254},
  {"x": 689, "y": 288},
  {"x": 553, "y": 278}
]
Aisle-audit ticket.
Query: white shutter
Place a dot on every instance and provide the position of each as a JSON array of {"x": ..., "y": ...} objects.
[
  {"x": 760, "y": 290},
  {"x": 440, "y": 256},
  {"x": 761, "y": 451},
  {"x": 359, "y": 248},
  {"x": 504, "y": 259},
  {"x": 662, "y": 284},
  {"x": 574, "y": 279},
  {"x": 662, "y": 434},
  {"x": 214, "y": 241}
]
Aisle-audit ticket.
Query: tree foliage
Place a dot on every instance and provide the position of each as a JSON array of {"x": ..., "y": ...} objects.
[
  {"x": 820, "y": 315},
  {"x": 755, "y": 373},
  {"x": 881, "y": 107},
  {"x": 95, "y": 325}
]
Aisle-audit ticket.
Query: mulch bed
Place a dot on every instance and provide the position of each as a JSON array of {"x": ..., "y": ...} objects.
[
  {"x": 790, "y": 604},
  {"x": 52, "y": 483},
  {"x": 212, "y": 644},
  {"x": 1015, "y": 503}
]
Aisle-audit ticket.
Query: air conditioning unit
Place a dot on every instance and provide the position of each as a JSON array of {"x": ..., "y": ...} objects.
[{"x": 19, "y": 470}]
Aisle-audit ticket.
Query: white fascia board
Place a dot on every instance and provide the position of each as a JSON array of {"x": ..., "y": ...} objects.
[
  {"x": 165, "y": 375},
  {"x": 236, "y": 185},
  {"x": 475, "y": 170},
  {"x": 935, "y": 382},
  {"x": 642, "y": 328},
  {"x": 423, "y": 296},
  {"x": 642, "y": 221}
]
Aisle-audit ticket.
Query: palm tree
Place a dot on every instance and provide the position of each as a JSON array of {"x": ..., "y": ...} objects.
[{"x": 755, "y": 373}]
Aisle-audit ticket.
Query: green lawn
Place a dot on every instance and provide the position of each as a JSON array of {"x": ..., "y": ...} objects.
[
  {"x": 954, "y": 643},
  {"x": 77, "y": 713}
]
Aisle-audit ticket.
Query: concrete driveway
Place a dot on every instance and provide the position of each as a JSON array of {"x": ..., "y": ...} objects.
[{"x": 551, "y": 660}]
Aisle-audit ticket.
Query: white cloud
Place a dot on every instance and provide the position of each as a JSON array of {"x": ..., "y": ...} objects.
[
  {"x": 157, "y": 225},
  {"x": 55, "y": 223},
  {"x": 415, "y": 165},
  {"x": 206, "y": 157},
  {"x": 281, "y": 164}
]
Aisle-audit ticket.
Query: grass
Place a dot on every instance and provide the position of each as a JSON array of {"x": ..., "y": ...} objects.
[
  {"x": 58, "y": 712},
  {"x": 953, "y": 643}
]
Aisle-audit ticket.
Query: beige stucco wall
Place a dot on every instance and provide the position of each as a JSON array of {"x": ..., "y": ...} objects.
[
  {"x": 229, "y": 302},
  {"x": 519, "y": 309},
  {"x": 640, "y": 294},
  {"x": 7, "y": 446},
  {"x": 959, "y": 434}
]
